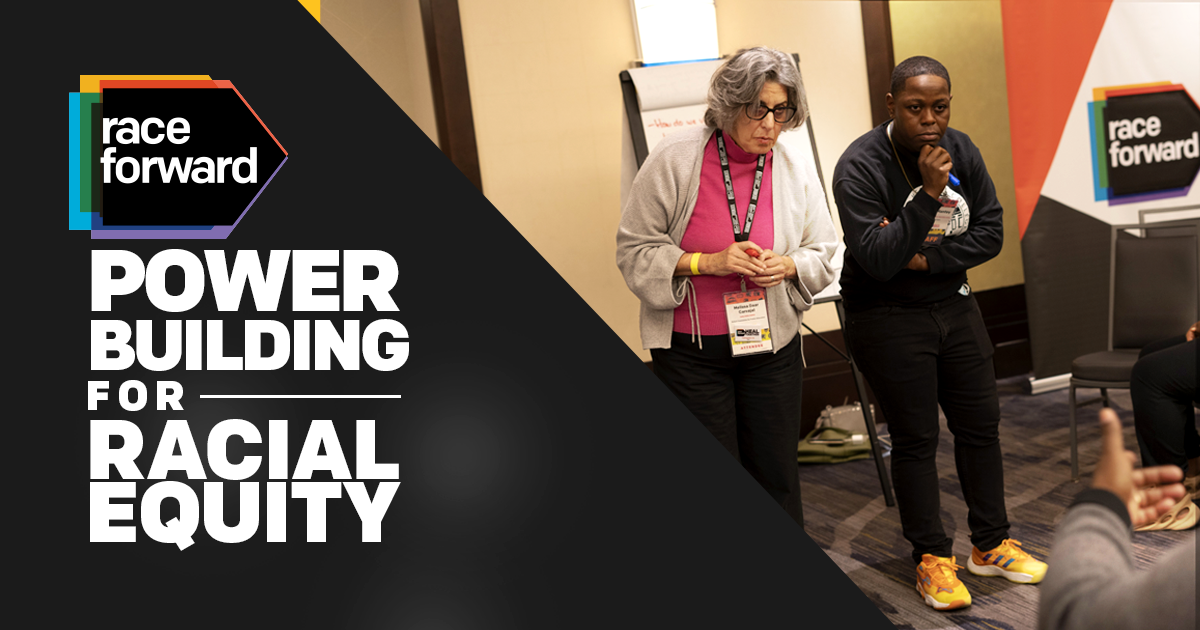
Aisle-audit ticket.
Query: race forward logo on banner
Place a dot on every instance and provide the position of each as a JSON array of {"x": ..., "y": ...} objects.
[
  {"x": 166, "y": 158},
  {"x": 1145, "y": 142}
]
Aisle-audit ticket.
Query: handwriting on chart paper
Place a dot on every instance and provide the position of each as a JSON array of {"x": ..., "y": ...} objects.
[{"x": 660, "y": 123}]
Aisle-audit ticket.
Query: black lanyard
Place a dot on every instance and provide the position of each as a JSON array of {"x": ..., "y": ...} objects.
[{"x": 739, "y": 234}]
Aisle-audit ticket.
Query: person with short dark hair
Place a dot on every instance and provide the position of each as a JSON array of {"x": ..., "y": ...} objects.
[
  {"x": 916, "y": 66},
  {"x": 912, "y": 232},
  {"x": 721, "y": 221}
]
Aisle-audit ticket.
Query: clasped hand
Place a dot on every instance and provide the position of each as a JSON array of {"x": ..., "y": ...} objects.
[{"x": 766, "y": 269}]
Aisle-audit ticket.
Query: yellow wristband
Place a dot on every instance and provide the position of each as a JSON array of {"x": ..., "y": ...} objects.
[{"x": 696, "y": 264}]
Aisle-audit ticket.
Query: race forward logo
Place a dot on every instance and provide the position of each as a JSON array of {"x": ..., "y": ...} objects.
[
  {"x": 155, "y": 157},
  {"x": 1145, "y": 142}
]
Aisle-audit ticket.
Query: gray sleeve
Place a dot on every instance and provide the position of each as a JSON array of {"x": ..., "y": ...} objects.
[
  {"x": 646, "y": 253},
  {"x": 813, "y": 256},
  {"x": 1092, "y": 582}
]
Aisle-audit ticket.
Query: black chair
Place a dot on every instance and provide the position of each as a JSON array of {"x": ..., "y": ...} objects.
[{"x": 1154, "y": 293}]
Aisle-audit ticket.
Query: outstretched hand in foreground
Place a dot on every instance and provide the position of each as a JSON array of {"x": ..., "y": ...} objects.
[{"x": 1146, "y": 492}]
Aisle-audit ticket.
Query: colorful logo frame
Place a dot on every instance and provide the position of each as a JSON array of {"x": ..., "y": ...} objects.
[
  {"x": 82, "y": 185},
  {"x": 1100, "y": 158}
]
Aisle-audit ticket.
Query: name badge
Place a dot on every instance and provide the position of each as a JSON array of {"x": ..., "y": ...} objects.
[
  {"x": 941, "y": 223},
  {"x": 749, "y": 330}
]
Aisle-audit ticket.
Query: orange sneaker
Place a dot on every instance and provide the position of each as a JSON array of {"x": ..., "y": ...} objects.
[
  {"x": 1008, "y": 561},
  {"x": 938, "y": 585}
]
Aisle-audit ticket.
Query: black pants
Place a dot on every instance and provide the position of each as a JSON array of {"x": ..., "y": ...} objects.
[
  {"x": 751, "y": 404},
  {"x": 1163, "y": 388},
  {"x": 916, "y": 358}
]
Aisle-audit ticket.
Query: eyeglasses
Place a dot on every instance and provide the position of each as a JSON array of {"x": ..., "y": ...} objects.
[{"x": 781, "y": 113}]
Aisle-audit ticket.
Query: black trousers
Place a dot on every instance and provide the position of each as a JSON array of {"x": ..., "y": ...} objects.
[
  {"x": 751, "y": 404},
  {"x": 1163, "y": 388},
  {"x": 916, "y": 358}
]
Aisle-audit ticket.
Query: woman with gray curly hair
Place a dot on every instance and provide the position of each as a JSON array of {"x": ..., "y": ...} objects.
[{"x": 725, "y": 238}]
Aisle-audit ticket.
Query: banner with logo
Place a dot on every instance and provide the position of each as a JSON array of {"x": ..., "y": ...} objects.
[
  {"x": 285, "y": 367},
  {"x": 140, "y": 140},
  {"x": 1105, "y": 131}
]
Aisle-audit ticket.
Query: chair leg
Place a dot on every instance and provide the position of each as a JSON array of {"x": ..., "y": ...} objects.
[
  {"x": 1104, "y": 397},
  {"x": 1074, "y": 443}
]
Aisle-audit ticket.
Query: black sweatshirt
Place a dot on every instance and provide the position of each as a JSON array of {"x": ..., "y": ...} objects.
[{"x": 869, "y": 185}]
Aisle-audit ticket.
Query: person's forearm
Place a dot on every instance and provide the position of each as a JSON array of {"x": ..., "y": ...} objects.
[
  {"x": 981, "y": 242},
  {"x": 883, "y": 251},
  {"x": 985, "y": 232},
  {"x": 964, "y": 252},
  {"x": 684, "y": 266}
]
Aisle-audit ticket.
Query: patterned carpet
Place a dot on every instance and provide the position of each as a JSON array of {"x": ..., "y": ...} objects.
[{"x": 845, "y": 513}]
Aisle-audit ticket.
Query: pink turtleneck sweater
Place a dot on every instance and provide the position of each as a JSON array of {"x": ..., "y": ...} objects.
[{"x": 710, "y": 231}]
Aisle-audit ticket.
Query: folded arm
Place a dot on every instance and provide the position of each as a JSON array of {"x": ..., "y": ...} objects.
[{"x": 882, "y": 250}]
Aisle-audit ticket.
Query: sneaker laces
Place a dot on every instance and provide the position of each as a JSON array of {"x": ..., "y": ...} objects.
[
  {"x": 942, "y": 572},
  {"x": 1012, "y": 549}
]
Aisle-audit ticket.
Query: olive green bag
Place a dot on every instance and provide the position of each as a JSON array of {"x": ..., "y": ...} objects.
[{"x": 831, "y": 445}]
